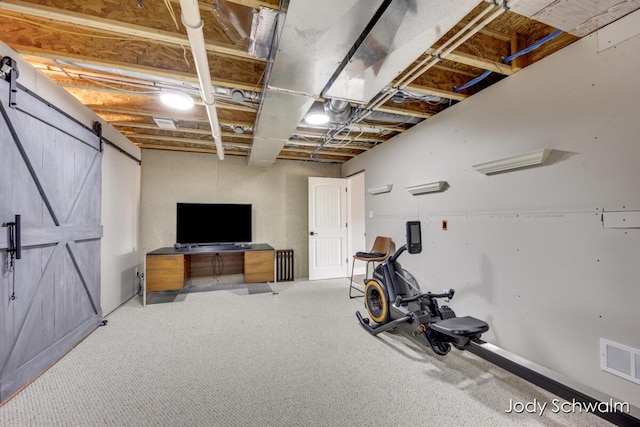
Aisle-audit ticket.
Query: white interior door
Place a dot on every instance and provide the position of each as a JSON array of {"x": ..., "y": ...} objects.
[{"x": 327, "y": 228}]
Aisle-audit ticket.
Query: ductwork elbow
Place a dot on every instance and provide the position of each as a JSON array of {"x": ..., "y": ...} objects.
[{"x": 338, "y": 110}]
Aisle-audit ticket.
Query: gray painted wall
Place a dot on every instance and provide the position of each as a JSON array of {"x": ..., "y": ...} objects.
[
  {"x": 278, "y": 195},
  {"x": 527, "y": 250}
]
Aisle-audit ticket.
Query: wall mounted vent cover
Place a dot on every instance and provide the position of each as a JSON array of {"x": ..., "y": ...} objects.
[{"x": 620, "y": 360}]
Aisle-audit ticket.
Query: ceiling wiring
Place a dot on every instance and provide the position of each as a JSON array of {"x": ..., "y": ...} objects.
[{"x": 172, "y": 13}]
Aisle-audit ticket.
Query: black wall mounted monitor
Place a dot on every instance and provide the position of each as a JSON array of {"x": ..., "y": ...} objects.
[
  {"x": 208, "y": 223},
  {"x": 414, "y": 237}
]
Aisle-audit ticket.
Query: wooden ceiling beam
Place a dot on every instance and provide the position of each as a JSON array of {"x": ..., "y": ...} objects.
[
  {"x": 111, "y": 26},
  {"x": 301, "y": 143},
  {"x": 254, "y": 4},
  {"x": 152, "y": 72},
  {"x": 180, "y": 129},
  {"x": 424, "y": 90},
  {"x": 206, "y": 150},
  {"x": 98, "y": 109},
  {"x": 174, "y": 139},
  {"x": 177, "y": 141},
  {"x": 441, "y": 66},
  {"x": 485, "y": 30},
  {"x": 309, "y": 159},
  {"x": 371, "y": 123},
  {"x": 220, "y": 104},
  {"x": 323, "y": 152},
  {"x": 182, "y": 140},
  {"x": 478, "y": 62},
  {"x": 133, "y": 112},
  {"x": 404, "y": 112},
  {"x": 321, "y": 134}
]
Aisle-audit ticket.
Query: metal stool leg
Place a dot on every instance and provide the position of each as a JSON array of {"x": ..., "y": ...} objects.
[{"x": 353, "y": 263}]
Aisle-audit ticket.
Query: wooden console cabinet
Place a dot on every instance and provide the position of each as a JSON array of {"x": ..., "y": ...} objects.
[
  {"x": 166, "y": 272},
  {"x": 258, "y": 266},
  {"x": 169, "y": 268}
]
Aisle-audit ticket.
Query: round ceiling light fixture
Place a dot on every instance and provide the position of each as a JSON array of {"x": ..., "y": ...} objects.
[
  {"x": 177, "y": 100},
  {"x": 316, "y": 118},
  {"x": 317, "y": 115}
]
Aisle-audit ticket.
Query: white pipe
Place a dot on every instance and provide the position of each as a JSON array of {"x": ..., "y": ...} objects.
[
  {"x": 418, "y": 69},
  {"x": 193, "y": 23}
]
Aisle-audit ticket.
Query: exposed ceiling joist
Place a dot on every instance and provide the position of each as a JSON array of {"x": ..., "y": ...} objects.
[
  {"x": 181, "y": 130},
  {"x": 199, "y": 118},
  {"x": 254, "y": 4},
  {"x": 478, "y": 62},
  {"x": 151, "y": 72},
  {"x": 422, "y": 90},
  {"x": 201, "y": 149},
  {"x": 404, "y": 112},
  {"x": 104, "y": 52},
  {"x": 356, "y": 137},
  {"x": 112, "y": 26}
]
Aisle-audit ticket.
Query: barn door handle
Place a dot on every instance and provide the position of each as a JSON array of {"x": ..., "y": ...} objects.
[
  {"x": 15, "y": 244},
  {"x": 14, "y": 249},
  {"x": 313, "y": 233}
]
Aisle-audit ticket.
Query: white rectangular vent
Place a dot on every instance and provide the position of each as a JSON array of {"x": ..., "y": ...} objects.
[
  {"x": 620, "y": 360},
  {"x": 165, "y": 123}
]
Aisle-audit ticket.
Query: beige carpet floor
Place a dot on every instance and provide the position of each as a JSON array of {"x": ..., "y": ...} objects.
[{"x": 241, "y": 356}]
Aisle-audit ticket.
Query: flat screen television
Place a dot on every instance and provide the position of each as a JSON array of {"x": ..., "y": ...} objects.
[{"x": 209, "y": 223}]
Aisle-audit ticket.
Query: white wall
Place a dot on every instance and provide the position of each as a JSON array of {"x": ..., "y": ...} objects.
[
  {"x": 356, "y": 219},
  {"x": 527, "y": 250},
  {"x": 120, "y": 189},
  {"x": 120, "y": 219},
  {"x": 278, "y": 195}
]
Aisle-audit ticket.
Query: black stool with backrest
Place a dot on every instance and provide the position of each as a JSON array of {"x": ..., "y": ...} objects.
[{"x": 379, "y": 253}]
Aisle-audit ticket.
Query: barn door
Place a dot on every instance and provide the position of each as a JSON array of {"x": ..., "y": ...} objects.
[{"x": 50, "y": 174}]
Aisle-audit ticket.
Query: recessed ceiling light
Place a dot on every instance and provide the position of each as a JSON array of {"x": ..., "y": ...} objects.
[
  {"x": 177, "y": 100},
  {"x": 316, "y": 118}
]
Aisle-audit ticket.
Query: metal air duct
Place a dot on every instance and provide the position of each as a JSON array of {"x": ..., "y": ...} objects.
[
  {"x": 403, "y": 33},
  {"x": 346, "y": 50},
  {"x": 337, "y": 110},
  {"x": 314, "y": 38}
]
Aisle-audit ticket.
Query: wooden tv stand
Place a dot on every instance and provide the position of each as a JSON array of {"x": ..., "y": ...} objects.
[{"x": 169, "y": 268}]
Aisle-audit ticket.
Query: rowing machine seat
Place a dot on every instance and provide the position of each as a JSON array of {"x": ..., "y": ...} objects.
[{"x": 460, "y": 326}]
